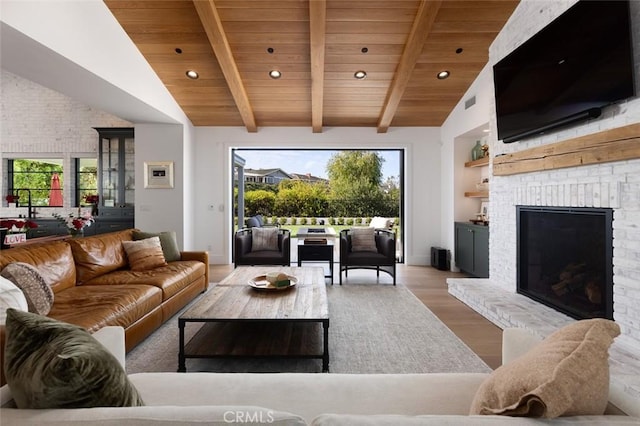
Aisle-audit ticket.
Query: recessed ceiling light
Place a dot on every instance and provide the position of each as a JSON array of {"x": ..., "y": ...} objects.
[
  {"x": 192, "y": 74},
  {"x": 459, "y": 50},
  {"x": 443, "y": 74},
  {"x": 364, "y": 49},
  {"x": 360, "y": 75},
  {"x": 178, "y": 50},
  {"x": 275, "y": 74},
  {"x": 270, "y": 50}
]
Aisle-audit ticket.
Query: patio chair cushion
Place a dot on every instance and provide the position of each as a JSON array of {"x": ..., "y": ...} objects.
[
  {"x": 363, "y": 239},
  {"x": 379, "y": 223},
  {"x": 264, "y": 239}
]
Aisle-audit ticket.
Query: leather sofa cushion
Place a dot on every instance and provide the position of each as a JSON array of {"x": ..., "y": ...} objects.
[
  {"x": 93, "y": 307},
  {"x": 53, "y": 260},
  {"x": 171, "y": 279},
  {"x": 99, "y": 254}
]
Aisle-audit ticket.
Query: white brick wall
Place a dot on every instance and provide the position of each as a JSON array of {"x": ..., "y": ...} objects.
[
  {"x": 40, "y": 122},
  {"x": 615, "y": 185}
]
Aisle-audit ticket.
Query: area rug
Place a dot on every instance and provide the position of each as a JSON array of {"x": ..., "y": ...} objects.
[{"x": 374, "y": 328}]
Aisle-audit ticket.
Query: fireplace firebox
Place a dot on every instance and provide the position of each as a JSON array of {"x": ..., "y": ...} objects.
[{"x": 565, "y": 259}]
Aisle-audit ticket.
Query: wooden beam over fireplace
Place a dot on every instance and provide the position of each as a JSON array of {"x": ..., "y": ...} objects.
[{"x": 622, "y": 143}]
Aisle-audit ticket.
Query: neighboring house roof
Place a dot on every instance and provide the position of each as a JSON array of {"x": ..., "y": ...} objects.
[
  {"x": 261, "y": 175},
  {"x": 267, "y": 172},
  {"x": 307, "y": 177}
]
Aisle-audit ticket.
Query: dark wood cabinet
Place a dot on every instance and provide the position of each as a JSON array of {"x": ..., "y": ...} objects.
[
  {"x": 48, "y": 227},
  {"x": 104, "y": 225},
  {"x": 472, "y": 249}
]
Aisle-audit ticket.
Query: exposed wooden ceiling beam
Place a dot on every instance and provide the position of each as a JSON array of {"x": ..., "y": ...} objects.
[
  {"x": 218, "y": 39},
  {"x": 420, "y": 30},
  {"x": 317, "y": 29}
]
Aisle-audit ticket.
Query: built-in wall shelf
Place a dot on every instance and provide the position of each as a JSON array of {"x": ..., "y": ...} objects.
[
  {"x": 477, "y": 194},
  {"x": 484, "y": 161}
]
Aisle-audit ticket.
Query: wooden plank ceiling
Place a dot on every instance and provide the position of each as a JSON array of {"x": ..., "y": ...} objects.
[{"x": 317, "y": 45}]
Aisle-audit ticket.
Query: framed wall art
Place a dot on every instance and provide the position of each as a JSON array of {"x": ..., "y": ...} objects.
[
  {"x": 158, "y": 174},
  {"x": 484, "y": 210}
]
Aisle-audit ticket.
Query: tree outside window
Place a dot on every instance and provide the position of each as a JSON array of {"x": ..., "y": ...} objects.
[
  {"x": 86, "y": 180},
  {"x": 37, "y": 176},
  {"x": 34, "y": 176}
]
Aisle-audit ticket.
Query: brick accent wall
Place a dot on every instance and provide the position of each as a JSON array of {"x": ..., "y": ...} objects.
[
  {"x": 40, "y": 122},
  {"x": 615, "y": 185}
]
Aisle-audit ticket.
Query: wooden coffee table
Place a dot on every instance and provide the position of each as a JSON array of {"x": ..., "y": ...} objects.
[{"x": 252, "y": 323}]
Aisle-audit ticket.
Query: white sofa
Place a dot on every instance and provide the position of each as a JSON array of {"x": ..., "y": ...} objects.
[{"x": 299, "y": 399}]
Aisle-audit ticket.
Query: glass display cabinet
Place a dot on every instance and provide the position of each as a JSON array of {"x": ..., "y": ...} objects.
[{"x": 116, "y": 173}]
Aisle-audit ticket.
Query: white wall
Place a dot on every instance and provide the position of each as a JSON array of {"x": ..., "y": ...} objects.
[
  {"x": 158, "y": 209},
  {"x": 422, "y": 178},
  {"x": 42, "y": 123},
  {"x": 77, "y": 47}
]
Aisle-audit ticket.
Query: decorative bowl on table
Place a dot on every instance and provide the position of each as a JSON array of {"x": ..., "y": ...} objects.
[{"x": 271, "y": 282}]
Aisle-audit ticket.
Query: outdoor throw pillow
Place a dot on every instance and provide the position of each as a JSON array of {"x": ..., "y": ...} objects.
[
  {"x": 363, "y": 239},
  {"x": 144, "y": 254},
  {"x": 567, "y": 374},
  {"x": 52, "y": 364},
  {"x": 379, "y": 222},
  {"x": 10, "y": 297},
  {"x": 26, "y": 277},
  {"x": 168, "y": 242},
  {"x": 264, "y": 239}
]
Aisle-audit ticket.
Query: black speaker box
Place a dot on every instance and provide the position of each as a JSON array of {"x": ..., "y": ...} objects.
[{"x": 440, "y": 258}]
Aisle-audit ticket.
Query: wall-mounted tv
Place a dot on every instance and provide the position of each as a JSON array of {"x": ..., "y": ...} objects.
[{"x": 567, "y": 72}]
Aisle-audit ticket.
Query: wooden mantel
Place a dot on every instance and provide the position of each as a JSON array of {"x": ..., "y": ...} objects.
[{"x": 622, "y": 143}]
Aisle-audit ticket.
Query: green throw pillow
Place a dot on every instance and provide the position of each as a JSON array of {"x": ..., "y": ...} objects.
[
  {"x": 51, "y": 364},
  {"x": 168, "y": 241}
]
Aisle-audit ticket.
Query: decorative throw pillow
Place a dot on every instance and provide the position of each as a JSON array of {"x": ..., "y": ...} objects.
[
  {"x": 379, "y": 223},
  {"x": 567, "y": 374},
  {"x": 168, "y": 242},
  {"x": 363, "y": 239},
  {"x": 10, "y": 297},
  {"x": 144, "y": 254},
  {"x": 51, "y": 364},
  {"x": 264, "y": 239},
  {"x": 36, "y": 290}
]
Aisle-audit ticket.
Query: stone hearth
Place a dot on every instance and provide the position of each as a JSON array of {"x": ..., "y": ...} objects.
[{"x": 507, "y": 309}]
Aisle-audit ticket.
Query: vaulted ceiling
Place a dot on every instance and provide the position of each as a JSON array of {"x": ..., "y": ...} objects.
[{"x": 317, "y": 46}]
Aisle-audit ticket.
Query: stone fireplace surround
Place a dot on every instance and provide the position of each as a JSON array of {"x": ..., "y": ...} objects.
[{"x": 614, "y": 184}]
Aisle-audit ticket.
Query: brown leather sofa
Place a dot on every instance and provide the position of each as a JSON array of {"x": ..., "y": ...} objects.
[{"x": 94, "y": 287}]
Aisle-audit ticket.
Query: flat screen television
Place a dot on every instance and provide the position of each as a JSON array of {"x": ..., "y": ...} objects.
[{"x": 568, "y": 71}]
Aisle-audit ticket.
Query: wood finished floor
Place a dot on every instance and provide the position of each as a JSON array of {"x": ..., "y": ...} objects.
[{"x": 429, "y": 285}]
